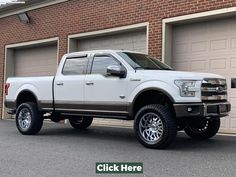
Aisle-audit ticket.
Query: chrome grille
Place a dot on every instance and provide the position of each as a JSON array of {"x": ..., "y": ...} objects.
[{"x": 214, "y": 90}]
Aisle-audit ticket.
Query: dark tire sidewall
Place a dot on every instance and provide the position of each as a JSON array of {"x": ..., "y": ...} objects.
[
  {"x": 167, "y": 137},
  {"x": 211, "y": 130},
  {"x": 36, "y": 120},
  {"x": 86, "y": 122}
]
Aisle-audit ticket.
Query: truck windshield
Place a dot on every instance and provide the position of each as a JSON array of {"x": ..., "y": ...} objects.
[{"x": 142, "y": 61}]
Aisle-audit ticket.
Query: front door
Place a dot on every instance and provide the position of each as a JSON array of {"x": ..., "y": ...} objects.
[{"x": 103, "y": 93}]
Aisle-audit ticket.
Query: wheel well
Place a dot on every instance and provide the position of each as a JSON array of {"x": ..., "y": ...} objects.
[
  {"x": 152, "y": 97},
  {"x": 25, "y": 96}
]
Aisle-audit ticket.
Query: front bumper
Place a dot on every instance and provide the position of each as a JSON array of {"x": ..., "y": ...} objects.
[{"x": 202, "y": 109}]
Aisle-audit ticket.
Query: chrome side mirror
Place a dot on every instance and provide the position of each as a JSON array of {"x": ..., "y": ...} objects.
[{"x": 116, "y": 70}]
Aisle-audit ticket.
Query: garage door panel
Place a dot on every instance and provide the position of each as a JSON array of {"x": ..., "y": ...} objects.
[
  {"x": 224, "y": 123},
  {"x": 233, "y": 43},
  {"x": 199, "y": 46},
  {"x": 214, "y": 28},
  {"x": 132, "y": 40},
  {"x": 212, "y": 51},
  {"x": 181, "y": 48},
  {"x": 38, "y": 69},
  {"x": 181, "y": 58},
  {"x": 218, "y": 44},
  {"x": 181, "y": 66},
  {"x": 36, "y": 72},
  {"x": 198, "y": 57},
  {"x": 198, "y": 65},
  {"x": 37, "y": 61},
  {"x": 233, "y": 124},
  {"x": 218, "y": 63},
  {"x": 178, "y": 36},
  {"x": 197, "y": 33},
  {"x": 233, "y": 63}
]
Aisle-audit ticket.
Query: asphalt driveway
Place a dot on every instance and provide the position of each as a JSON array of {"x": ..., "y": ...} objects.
[{"x": 60, "y": 151}]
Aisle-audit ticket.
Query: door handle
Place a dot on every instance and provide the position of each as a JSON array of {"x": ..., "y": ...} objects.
[
  {"x": 60, "y": 83},
  {"x": 89, "y": 83}
]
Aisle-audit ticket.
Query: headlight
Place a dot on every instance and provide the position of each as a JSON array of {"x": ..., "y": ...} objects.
[{"x": 187, "y": 87}]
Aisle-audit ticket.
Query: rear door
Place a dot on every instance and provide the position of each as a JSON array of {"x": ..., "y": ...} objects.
[{"x": 69, "y": 85}]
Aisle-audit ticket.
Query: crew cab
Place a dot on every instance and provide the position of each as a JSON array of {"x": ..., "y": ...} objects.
[{"x": 120, "y": 84}]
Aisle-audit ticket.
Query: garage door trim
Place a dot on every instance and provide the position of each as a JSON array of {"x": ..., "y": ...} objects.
[{"x": 184, "y": 19}]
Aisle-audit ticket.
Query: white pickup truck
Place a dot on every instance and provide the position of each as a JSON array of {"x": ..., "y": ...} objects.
[{"x": 121, "y": 85}]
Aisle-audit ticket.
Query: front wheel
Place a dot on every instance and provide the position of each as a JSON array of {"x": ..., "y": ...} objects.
[
  {"x": 81, "y": 122},
  {"x": 203, "y": 129},
  {"x": 155, "y": 126},
  {"x": 28, "y": 119}
]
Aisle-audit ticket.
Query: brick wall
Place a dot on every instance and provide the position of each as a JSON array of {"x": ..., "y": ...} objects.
[{"x": 77, "y": 16}]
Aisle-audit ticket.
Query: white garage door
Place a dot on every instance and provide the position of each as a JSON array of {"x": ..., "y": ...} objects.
[
  {"x": 36, "y": 61},
  {"x": 132, "y": 40},
  {"x": 208, "y": 47}
]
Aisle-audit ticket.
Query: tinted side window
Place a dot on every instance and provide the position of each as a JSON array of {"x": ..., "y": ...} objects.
[
  {"x": 100, "y": 64},
  {"x": 75, "y": 66}
]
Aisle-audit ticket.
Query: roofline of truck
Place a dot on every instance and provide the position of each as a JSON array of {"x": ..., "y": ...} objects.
[{"x": 101, "y": 51}]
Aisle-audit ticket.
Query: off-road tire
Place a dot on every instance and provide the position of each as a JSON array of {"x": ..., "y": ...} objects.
[
  {"x": 210, "y": 130},
  {"x": 168, "y": 124},
  {"x": 30, "y": 111},
  {"x": 81, "y": 122}
]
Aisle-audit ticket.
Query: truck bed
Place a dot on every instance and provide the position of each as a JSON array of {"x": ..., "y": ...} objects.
[{"x": 40, "y": 86}]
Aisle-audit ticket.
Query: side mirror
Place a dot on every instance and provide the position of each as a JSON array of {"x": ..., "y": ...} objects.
[{"x": 116, "y": 70}]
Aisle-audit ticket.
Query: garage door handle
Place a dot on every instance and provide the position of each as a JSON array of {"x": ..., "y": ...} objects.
[
  {"x": 60, "y": 83},
  {"x": 89, "y": 83}
]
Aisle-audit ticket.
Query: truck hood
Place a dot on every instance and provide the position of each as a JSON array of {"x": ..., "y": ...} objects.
[{"x": 173, "y": 75}]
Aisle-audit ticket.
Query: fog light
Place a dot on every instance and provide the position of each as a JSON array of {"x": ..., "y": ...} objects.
[{"x": 190, "y": 109}]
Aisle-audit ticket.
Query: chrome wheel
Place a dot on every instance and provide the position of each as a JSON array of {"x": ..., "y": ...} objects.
[
  {"x": 151, "y": 127},
  {"x": 24, "y": 118}
]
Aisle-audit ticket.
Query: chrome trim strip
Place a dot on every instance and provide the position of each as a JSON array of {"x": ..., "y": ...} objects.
[
  {"x": 209, "y": 89},
  {"x": 214, "y": 81},
  {"x": 215, "y": 97}
]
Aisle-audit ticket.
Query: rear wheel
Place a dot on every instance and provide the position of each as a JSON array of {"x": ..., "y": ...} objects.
[
  {"x": 28, "y": 119},
  {"x": 203, "y": 129},
  {"x": 81, "y": 122},
  {"x": 155, "y": 127}
]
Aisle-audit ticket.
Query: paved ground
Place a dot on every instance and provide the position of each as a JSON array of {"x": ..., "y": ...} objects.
[{"x": 60, "y": 151}]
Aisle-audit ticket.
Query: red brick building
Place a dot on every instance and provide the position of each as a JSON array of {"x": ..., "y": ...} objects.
[{"x": 193, "y": 35}]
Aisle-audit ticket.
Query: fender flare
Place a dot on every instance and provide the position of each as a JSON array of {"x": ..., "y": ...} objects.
[
  {"x": 147, "y": 87},
  {"x": 31, "y": 92}
]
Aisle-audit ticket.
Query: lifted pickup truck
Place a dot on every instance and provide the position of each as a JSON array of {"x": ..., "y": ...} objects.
[{"x": 121, "y": 85}]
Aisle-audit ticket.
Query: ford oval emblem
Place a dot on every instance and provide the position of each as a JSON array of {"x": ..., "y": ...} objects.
[{"x": 219, "y": 89}]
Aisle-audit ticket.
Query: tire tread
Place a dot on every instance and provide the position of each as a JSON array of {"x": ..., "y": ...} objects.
[
  {"x": 36, "y": 119},
  {"x": 169, "y": 135}
]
